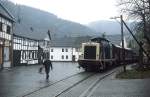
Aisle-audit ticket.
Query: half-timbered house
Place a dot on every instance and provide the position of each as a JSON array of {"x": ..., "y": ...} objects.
[
  {"x": 6, "y": 30},
  {"x": 25, "y": 50}
]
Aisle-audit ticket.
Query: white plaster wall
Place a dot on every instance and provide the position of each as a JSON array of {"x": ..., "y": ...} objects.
[
  {"x": 76, "y": 53},
  {"x": 57, "y": 54}
]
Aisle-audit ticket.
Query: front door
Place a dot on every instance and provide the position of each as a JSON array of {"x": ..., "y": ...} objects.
[
  {"x": 6, "y": 57},
  {"x": 1, "y": 56}
]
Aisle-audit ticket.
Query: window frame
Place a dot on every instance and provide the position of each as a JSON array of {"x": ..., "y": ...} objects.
[
  {"x": 1, "y": 26},
  {"x": 67, "y": 57},
  {"x": 62, "y": 57},
  {"x": 62, "y": 49},
  {"x": 66, "y": 50},
  {"x": 52, "y": 50},
  {"x": 52, "y": 57}
]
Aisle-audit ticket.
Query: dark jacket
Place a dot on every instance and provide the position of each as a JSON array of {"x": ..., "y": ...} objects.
[{"x": 48, "y": 64}]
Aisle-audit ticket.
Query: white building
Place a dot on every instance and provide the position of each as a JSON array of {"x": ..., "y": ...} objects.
[
  {"x": 64, "y": 54},
  {"x": 64, "y": 50}
]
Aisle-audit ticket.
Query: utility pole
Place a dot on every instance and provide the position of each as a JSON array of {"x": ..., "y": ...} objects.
[{"x": 122, "y": 39}]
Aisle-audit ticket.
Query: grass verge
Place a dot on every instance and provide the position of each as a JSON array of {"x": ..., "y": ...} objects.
[{"x": 134, "y": 74}]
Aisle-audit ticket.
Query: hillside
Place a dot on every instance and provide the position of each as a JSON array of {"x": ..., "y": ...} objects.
[
  {"x": 110, "y": 27},
  {"x": 116, "y": 39},
  {"x": 35, "y": 23}
]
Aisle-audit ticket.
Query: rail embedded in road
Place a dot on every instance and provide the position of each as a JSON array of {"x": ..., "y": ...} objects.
[
  {"x": 55, "y": 86},
  {"x": 62, "y": 87}
]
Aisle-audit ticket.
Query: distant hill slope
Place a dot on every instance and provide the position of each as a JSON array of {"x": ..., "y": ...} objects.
[
  {"x": 110, "y": 27},
  {"x": 116, "y": 39},
  {"x": 35, "y": 23}
]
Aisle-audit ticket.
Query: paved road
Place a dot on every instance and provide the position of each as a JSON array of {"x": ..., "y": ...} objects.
[
  {"x": 107, "y": 87},
  {"x": 72, "y": 87},
  {"x": 111, "y": 87},
  {"x": 22, "y": 80}
]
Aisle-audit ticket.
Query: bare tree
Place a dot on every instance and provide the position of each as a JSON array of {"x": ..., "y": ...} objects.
[{"x": 139, "y": 10}]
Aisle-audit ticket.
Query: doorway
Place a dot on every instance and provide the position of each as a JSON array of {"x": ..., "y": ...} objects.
[
  {"x": 6, "y": 57},
  {"x": 1, "y": 56}
]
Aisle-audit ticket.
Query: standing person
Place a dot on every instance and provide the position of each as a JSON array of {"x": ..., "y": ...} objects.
[{"x": 47, "y": 64}]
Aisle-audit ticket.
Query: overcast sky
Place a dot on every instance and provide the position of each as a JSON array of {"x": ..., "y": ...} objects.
[{"x": 81, "y": 11}]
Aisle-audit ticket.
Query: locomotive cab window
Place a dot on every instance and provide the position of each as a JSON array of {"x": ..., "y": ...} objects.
[{"x": 90, "y": 52}]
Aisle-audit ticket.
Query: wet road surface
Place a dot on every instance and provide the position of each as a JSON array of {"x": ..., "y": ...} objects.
[
  {"x": 22, "y": 80},
  {"x": 72, "y": 87},
  {"x": 111, "y": 87},
  {"x": 106, "y": 87}
]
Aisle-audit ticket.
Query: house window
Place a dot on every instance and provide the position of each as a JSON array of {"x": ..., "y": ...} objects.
[
  {"x": 36, "y": 52},
  {"x": 21, "y": 55},
  {"x": 4, "y": 27},
  {"x": 8, "y": 29},
  {"x": 1, "y": 26},
  {"x": 62, "y": 50},
  {"x": 51, "y": 57},
  {"x": 62, "y": 57},
  {"x": 66, "y": 50},
  {"x": 33, "y": 54},
  {"x": 52, "y": 50},
  {"x": 24, "y": 55},
  {"x": 30, "y": 55},
  {"x": 66, "y": 56}
]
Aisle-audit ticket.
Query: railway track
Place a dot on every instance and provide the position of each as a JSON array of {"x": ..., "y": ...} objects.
[
  {"x": 52, "y": 84},
  {"x": 60, "y": 88},
  {"x": 91, "y": 87},
  {"x": 88, "y": 92}
]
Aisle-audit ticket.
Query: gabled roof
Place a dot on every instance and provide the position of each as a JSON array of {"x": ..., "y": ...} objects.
[
  {"x": 63, "y": 42},
  {"x": 74, "y": 42},
  {"x": 5, "y": 13},
  {"x": 25, "y": 31}
]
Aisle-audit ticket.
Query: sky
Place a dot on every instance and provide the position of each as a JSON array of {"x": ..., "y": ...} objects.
[{"x": 81, "y": 11}]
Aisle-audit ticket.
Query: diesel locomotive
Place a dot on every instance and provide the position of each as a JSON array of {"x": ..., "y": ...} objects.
[{"x": 100, "y": 54}]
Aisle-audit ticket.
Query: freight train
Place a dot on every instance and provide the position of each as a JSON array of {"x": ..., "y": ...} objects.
[{"x": 100, "y": 54}]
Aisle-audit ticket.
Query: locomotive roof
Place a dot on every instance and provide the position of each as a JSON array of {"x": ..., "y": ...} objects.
[{"x": 99, "y": 39}]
